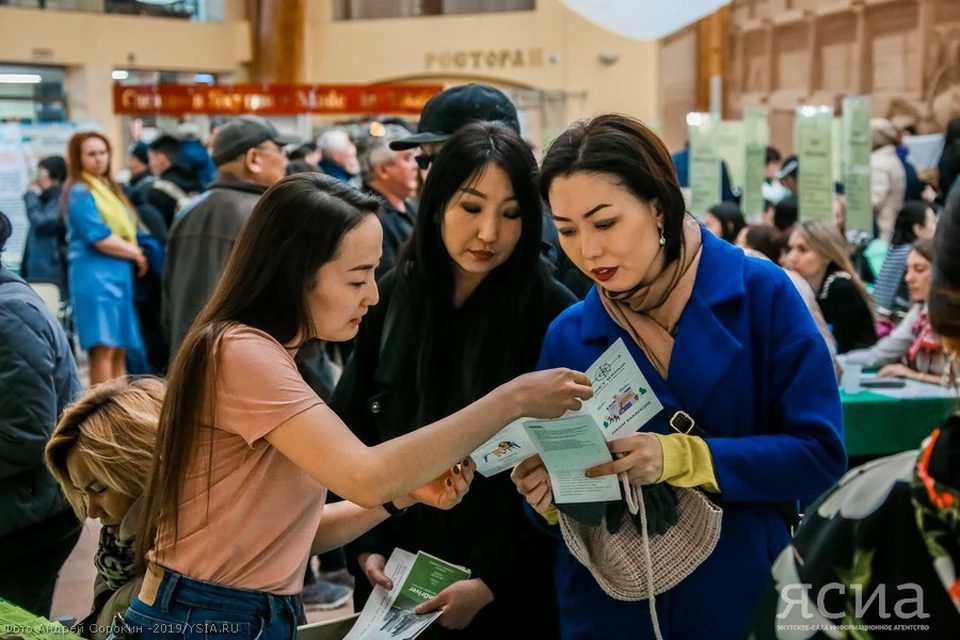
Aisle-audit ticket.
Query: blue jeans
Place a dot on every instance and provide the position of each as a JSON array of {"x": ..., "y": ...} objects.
[{"x": 191, "y": 609}]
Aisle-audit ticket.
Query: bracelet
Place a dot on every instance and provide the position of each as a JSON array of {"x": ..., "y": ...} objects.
[{"x": 392, "y": 509}]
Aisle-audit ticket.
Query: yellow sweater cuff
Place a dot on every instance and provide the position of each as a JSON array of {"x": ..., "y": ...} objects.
[
  {"x": 687, "y": 462},
  {"x": 552, "y": 516}
]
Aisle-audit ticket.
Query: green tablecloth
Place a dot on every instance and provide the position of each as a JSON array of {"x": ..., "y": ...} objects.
[{"x": 878, "y": 425}]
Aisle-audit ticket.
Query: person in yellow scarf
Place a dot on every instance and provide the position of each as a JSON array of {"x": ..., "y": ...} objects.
[
  {"x": 103, "y": 258},
  {"x": 752, "y": 416}
]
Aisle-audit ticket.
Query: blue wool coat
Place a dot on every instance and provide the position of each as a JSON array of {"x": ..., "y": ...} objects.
[{"x": 751, "y": 368}]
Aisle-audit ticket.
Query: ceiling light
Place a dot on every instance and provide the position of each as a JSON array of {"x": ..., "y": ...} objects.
[
  {"x": 20, "y": 78},
  {"x": 120, "y": 74}
]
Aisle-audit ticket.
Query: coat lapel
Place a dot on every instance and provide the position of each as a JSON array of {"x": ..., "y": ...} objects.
[
  {"x": 703, "y": 355},
  {"x": 705, "y": 350}
]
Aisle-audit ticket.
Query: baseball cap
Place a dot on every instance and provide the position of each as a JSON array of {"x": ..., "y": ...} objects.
[
  {"x": 451, "y": 109},
  {"x": 139, "y": 151},
  {"x": 241, "y": 134},
  {"x": 789, "y": 167}
]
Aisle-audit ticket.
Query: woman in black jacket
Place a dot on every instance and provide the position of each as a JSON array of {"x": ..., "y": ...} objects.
[
  {"x": 465, "y": 310},
  {"x": 818, "y": 252}
]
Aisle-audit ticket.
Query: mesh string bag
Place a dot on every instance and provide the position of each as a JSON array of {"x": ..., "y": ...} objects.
[{"x": 631, "y": 565}]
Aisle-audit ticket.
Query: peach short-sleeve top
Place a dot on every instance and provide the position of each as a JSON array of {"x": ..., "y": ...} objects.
[{"x": 252, "y": 524}]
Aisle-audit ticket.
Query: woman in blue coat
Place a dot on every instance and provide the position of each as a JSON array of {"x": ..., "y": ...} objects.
[
  {"x": 103, "y": 258},
  {"x": 719, "y": 336}
]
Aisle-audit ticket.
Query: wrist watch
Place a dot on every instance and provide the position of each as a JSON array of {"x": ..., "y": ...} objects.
[{"x": 392, "y": 509}]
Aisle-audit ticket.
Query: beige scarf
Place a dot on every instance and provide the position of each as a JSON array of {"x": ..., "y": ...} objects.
[{"x": 650, "y": 314}]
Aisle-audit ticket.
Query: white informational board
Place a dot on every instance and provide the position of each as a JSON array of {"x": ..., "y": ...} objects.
[
  {"x": 13, "y": 181},
  {"x": 22, "y": 146},
  {"x": 924, "y": 151}
]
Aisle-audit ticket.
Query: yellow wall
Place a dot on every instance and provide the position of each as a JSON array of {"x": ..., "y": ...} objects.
[
  {"x": 91, "y": 45},
  {"x": 129, "y": 42},
  {"x": 569, "y": 49},
  {"x": 560, "y": 53}
]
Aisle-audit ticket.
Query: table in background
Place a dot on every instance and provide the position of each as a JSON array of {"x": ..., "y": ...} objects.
[{"x": 881, "y": 422}]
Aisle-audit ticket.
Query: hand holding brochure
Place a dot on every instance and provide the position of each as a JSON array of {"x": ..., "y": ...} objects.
[
  {"x": 389, "y": 615},
  {"x": 622, "y": 404},
  {"x": 570, "y": 446}
]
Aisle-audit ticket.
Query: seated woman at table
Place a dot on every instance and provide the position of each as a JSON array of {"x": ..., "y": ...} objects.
[
  {"x": 913, "y": 350},
  {"x": 883, "y": 546},
  {"x": 818, "y": 252},
  {"x": 99, "y": 454}
]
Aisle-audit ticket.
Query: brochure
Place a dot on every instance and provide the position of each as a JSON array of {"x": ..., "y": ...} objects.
[
  {"x": 622, "y": 404},
  {"x": 622, "y": 401},
  {"x": 389, "y": 615},
  {"x": 17, "y": 623},
  {"x": 570, "y": 446},
  {"x": 504, "y": 451}
]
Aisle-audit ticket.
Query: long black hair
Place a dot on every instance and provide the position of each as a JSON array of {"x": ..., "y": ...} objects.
[
  {"x": 731, "y": 219},
  {"x": 295, "y": 228},
  {"x": 913, "y": 213},
  {"x": 463, "y": 355}
]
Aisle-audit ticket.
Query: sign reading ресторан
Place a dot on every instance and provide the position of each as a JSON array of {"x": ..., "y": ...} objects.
[
  {"x": 270, "y": 99},
  {"x": 479, "y": 59}
]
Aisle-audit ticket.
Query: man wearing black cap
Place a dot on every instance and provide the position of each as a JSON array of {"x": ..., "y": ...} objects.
[
  {"x": 452, "y": 109},
  {"x": 248, "y": 152}
]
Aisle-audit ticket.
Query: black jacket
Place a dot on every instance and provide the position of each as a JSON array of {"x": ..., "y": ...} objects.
[
  {"x": 397, "y": 229},
  {"x": 198, "y": 246},
  {"x": 162, "y": 198},
  {"x": 846, "y": 312},
  {"x": 488, "y": 532},
  {"x": 38, "y": 378}
]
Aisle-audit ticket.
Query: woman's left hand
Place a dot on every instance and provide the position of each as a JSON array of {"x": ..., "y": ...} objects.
[
  {"x": 640, "y": 456},
  {"x": 896, "y": 371},
  {"x": 448, "y": 490},
  {"x": 460, "y": 602}
]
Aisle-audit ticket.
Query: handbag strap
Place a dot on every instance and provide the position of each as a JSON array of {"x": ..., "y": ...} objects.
[{"x": 634, "y": 497}]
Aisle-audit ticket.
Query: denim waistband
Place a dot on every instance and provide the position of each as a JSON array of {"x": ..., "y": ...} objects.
[{"x": 176, "y": 588}]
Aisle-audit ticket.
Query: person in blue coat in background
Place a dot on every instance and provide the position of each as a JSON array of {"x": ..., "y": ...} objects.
[
  {"x": 720, "y": 336},
  {"x": 44, "y": 259},
  {"x": 103, "y": 258},
  {"x": 681, "y": 163}
]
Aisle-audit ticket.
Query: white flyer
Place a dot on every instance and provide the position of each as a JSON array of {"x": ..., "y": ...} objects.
[
  {"x": 622, "y": 404},
  {"x": 504, "y": 451},
  {"x": 570, "y": 446},
  {"x": 623, "y": 401}
]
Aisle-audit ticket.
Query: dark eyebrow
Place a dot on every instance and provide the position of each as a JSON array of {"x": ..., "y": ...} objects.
[
  {"x": 363, "y": 267},
  {"x": 473, "y": 192},
  {"x": 586, "y": 215}
]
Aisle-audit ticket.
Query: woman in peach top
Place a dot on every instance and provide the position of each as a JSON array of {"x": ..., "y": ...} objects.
[{"x": 246, "y": 450}]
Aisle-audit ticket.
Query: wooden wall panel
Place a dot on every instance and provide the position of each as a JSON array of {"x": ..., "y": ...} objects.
[
  {"x": 678, "y": 85},
  {"x": 278, "y": 28}
]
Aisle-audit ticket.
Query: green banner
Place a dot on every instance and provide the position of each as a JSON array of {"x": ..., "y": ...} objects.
[
  {"x": 732, "y": 145},
  {"x": 756, "y": 136},
  {"x": 813, "y": 140},
  {"x": 856, "y": 162},
  {"x": 838, "y": 149},
  {"x": 704, "y": 134}
]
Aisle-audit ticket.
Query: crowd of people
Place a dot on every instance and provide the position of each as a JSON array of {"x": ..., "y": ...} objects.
[{"x": 296, "y": 346}]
